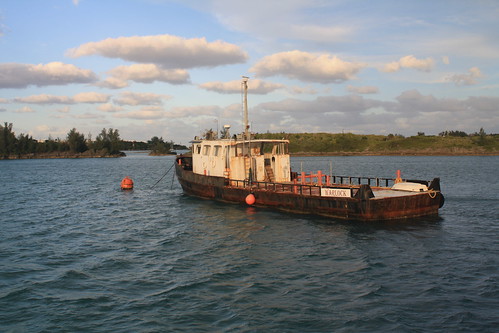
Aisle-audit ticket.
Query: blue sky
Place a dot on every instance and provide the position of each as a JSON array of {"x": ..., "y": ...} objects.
[{"x": 173, "y": 68}]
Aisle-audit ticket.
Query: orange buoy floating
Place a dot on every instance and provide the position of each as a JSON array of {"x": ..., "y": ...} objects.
[
  {"x": 250, "y": 199},
  {"x": 127, "y": 183}
]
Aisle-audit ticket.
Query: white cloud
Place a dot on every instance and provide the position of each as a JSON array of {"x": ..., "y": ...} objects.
[
  {"x": 195, "y": 111},
  {"x": 55, "y": 73},
  {"x": 146, "y": 113},
  {"x": 274, "y": 20},
  {"x": 133, "y": 98},
  {"x": 46, "y": 131},
  {"x": 481, "y": 45},
  {"x": 363, "y": 90},
  {"x": 166, "y": 51},
  {"x": 465, "y": 79},
  {"x": 360, "y": 115},
  {"x": 65, "y": 109},
  {"x": 43, "y": 99},
  {"x": 88, "y": 115},
  {"x": 234, "y": 87},
  {"x": 144, "y": 73},
  {"x": 2, "y": 27},
  {"x": 25, "y": 109},
  {"x": 483, "y": 104},
  {"x": 90, "y": 97},
  {"x": 85, "y": 97},
  {"x": 424, "y": 65},
  {"x": 324, "y": 34},
  {"x": 112, "y": 83},
  {"x": 303, "y": 90},
  {"x": 324, "y": 104},
  {"x": 309, "y": 67},
  {"x": 108, "y": 107},
  {"x": 413, "y": 102}
]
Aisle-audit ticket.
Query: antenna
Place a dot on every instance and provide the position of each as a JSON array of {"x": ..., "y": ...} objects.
[{"x": 245, "y": 122}]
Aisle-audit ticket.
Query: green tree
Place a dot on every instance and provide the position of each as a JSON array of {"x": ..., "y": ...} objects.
[
  {"x": 7, "y": 139},
  {"x": 26, "y": 144},
  {"x": 453, "y": 133},
  {"x": 76, "y": 141},
  {"x": 108, "y": 140},
  {"x": 114, "y": 138},
  {"x": 482, "y": 137},
  {"x": 102, "y": 141},
  {"x": 51, "y": 145},
  {"x": 159, "y": 146}
]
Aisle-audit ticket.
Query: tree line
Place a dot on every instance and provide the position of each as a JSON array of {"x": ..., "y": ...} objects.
[
  {"x": 449, "y": 142},
  {"x": 462, "y": 134},
  {"x": 107, "y": 143}
]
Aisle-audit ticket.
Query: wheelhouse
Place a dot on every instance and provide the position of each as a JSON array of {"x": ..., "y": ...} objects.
[{"x": 255, "y": 160}]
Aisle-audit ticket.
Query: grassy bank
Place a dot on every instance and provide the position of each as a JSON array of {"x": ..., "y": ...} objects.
[{"x": 353, "y": 144}]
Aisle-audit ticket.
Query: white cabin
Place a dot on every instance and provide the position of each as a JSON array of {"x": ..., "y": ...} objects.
[{"x": 256, "y": 160}]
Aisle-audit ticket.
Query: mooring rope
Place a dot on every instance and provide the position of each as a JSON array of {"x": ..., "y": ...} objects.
[
  {"x": 164, "y": 175},
  {"x": 173, "y": 177}
]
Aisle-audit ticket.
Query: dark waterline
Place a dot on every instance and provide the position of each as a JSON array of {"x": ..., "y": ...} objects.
[{"x": 79, "y": 254}]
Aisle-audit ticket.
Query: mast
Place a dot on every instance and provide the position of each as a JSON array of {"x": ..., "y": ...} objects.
[{"x": 246, "y": 126}]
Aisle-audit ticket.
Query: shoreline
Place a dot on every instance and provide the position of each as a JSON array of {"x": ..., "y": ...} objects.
[
  {"x": 299, "y": 154},
  {"x": 63, "y": 155},
  {"x": 303, "y": 154}
]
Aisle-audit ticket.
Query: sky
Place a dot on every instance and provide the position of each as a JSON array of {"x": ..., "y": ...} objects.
[{"x": 173, "y": 68}]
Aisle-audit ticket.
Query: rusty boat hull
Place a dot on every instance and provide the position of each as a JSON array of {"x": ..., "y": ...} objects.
[{"x": 367, "y": 204}]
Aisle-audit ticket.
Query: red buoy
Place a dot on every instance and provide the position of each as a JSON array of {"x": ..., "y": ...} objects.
[
  {"x": 250, "y": 199},
  {"x": 127, "y": 183}
]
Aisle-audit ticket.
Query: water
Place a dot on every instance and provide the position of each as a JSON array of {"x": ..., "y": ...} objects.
[{"x": 78, "y": 254}]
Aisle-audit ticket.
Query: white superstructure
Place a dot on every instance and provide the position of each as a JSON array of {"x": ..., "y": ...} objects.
[{"x": 256, "y": 160}]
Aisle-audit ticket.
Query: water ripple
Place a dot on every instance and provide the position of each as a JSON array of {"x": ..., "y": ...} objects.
[{"x": 79, "y": 254}]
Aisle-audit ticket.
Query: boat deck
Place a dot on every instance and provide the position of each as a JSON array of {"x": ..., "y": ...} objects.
[
  {"x": 388, "y": 193},
  {"x": 315, "y": 190}
]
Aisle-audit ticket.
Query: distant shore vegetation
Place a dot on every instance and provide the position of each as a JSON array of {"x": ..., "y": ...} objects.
[
  {"x": 107, "y": 144},
  {"x": 445, "y": 143}
]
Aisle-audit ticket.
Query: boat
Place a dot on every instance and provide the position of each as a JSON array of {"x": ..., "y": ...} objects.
[{"x": 257, "y": 172}]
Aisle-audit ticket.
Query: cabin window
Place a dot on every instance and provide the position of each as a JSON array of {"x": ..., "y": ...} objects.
[
  {"x": 280, "y": 149},
  {"x": 198, "y": 149},
  {"x": 206, "y": 150},
  {"x": 217, "y": 150}
]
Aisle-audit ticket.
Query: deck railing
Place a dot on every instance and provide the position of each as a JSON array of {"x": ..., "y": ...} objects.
[
  {"x": 320, "y": 179},
  {"x": 302, "y": 189},
  {"x": 311, "y": 184}
]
